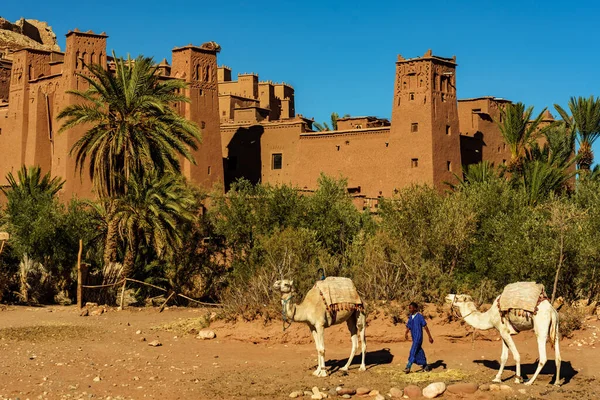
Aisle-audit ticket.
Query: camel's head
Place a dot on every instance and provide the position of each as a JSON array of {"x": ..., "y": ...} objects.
[
  {"x": 284, "y": 286},
  {"x": 456, "y": 299}
]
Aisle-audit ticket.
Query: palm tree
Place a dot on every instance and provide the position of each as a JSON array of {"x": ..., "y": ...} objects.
[
  {"x": 334, "y": 126},
  {"x": 131, "y": 129},
  {"x": 518, "y": 131},
  {"x": 548, "y": 168},
  {"x": 482, "y": 172},
  {"x": 30, "y": 184},
  {"x": 585, "y": 120},
  {"x": 150, "y": 215}
]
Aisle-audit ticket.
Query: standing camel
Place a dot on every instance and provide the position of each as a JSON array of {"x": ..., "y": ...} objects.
[
  {"x": 313, "y": 312},
  {"x": 544, "y": 322}
]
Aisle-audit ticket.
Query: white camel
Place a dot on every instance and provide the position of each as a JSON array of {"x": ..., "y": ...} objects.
[
  {"x": 544, "y": 322},
  {"x": 312, "y": 311}
]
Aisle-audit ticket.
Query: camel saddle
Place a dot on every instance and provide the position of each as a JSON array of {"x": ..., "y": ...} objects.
[
  {"x": 339, "y": 294},
  {"x": 524, "y": 296}
]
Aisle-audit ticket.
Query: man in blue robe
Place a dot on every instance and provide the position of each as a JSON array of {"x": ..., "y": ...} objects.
[{"x": 416, "y": 323}]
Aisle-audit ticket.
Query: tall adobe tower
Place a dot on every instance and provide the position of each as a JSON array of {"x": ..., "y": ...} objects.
[
  {"x": 88, "y": 48},
  {"x": 425, "y": 120},
  {"x": 198, "y": 67}
]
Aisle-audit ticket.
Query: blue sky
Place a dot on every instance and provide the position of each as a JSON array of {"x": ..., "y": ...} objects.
[{"x": 339, "y": 56}]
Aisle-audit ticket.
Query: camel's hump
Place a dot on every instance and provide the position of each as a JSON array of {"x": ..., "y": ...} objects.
[{"x": 336, "y": 290}]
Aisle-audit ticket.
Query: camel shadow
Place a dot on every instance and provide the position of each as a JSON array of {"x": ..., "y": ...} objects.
[
  {"x": 372, "y": 359},
  {"x": 567, "y": 372}
]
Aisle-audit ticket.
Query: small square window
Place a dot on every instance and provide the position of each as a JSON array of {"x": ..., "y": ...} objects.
[
  {"x": 414, "y": 163},
  {"x": 202, "y": 124},
  {"x": 503, "y": 162},
  {"x": 224, "y": 112},
  {"x": 412, "y": 96},
  {"x": 276, "y": 161},
  {"x": 449, "y": 165},
  {"x": 209, "y": 170},
  {"x": 448, "y": 130},
  {"x": 414, "y": 127}
]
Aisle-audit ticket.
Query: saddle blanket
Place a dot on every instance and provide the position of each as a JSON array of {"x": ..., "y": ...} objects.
[
  {"x": 338, "y": 291},
  {"x": 522, "y": 296}
]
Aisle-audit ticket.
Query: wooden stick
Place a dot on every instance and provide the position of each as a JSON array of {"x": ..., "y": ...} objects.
[
  {"x": 147, "y": 284},
  {"x": 122, "y": 305},
  {"x": 162, "y": 307},
  {"x": 79, "y": 277},
  {"x": 200, "y": 302},
  {"x": 103, "y": 286},
  {"x": 2, "y": 246}
]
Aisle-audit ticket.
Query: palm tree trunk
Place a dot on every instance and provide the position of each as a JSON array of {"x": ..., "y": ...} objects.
[
  {"x": 129, "y": 259},
  {"x": 110, "y": 246}
]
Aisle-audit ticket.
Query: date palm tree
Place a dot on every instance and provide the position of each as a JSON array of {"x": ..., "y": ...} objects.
[
  {"x": 325, "y": 127},
  {"x": 585, "y": 120},
  {"x": 519, "y": 131},
  {"x": 151, "y": 213},
  {"x": 131, "y": 129},
  {"x": 29, "y": 183}
]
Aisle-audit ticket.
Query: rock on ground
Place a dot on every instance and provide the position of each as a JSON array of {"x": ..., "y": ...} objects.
[
  {"x": 505, "y": 387},
  {"x": 462, "y": 388},
  {"x": 155, "y": 343},
  {"x": 396, "y": 393},
  {"x": 343, "y": 391},
  {"x": 206, "y": 335},
  {"x": 361, "y": 391},
  {"x": 485, "y": 387},
  {"x": 412, "y": 391},
  {"x": 434, "y": 390}
]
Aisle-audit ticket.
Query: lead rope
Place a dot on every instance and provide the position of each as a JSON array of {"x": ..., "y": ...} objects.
[{"x": 284, "y": 314}]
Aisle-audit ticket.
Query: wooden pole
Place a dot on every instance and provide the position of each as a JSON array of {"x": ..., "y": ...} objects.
[
  {"x": 122, "y": 303},
  {"x": 165, "y": 303},
  {"x": 2, "y": 246},
  {"x": 79, "y": 277}
]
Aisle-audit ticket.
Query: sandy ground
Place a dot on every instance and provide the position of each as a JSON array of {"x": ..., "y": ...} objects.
[{"x": 53, "y": 353}]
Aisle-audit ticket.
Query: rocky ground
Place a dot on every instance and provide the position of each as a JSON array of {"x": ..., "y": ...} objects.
[{"x": 54, "y": 353}]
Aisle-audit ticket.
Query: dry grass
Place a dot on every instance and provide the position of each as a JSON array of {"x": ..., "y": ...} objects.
[
  {"x": 185, "y": 325},
  {"x": 44, "y": 333},
  {"x": 397, "y": 375}
]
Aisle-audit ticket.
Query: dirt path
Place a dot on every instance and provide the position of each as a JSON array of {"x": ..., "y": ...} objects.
[{"x": 54, "y": 353}]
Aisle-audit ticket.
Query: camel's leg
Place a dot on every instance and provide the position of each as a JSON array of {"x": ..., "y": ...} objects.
[
  {"x": 317, "y": 372},
  {"x": 557, "y": 358},
  {"x": 320, "y": 336},
  {"x": 362, "y": 327},
  {"x": 503, "y": 359},
  {"x": 513, "y": 349},
  {"x": 542, "y": 337},
  {"x": 352, "y": 327}
]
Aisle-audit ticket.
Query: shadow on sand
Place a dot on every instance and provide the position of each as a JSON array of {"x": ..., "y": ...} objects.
[
  {"x": 566, "y": 369},
  {"x": 372, "y": 358}
]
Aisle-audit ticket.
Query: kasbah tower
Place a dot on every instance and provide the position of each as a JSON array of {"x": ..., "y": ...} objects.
[
  {"x": 39, "y": 81},
  {"x": 250, "y": 128}
]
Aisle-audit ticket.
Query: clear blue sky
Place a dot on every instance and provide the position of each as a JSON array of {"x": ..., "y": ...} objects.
[{"x": 339, "y": 56}]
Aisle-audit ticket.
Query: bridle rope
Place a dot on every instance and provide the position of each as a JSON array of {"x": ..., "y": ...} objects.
[{"x": 284, "y": 303}]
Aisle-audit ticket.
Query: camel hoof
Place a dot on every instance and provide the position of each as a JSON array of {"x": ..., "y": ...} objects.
[
  {"x": 529, "y": 383},
  {"x": 518, "y": 380},
  {"x": 497, "y": 380},
  {"x": 362, "y": 368},
  {"x": 322, "y": 374},
  {"x": 344, "y": 369}
]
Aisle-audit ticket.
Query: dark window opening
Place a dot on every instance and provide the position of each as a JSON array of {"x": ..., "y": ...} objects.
[
  {"x": 449, "y": 165},
  {"x": 414, "y": 127},
  {"x": 354, "y": 190},
  {"x": 202, "y": 124},
  {"x": 414, "y": 163},
  {"x": 276, "y": 161},
  {"x": 443, "y": 97},
  {"x": 412, "y": 96},
  {"x": 448, "y": 130},
  {"x": 232, "y": 163},
  {"x": 209, "y": 170}
]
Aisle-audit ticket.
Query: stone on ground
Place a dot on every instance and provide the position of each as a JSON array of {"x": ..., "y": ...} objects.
[
  {"x": 379, "y": 397},
  {"x": 396, "y": 393},
  {"x": 484, "y": 388},
  {"x": 462, "y": 388},
  {"x": 494, "y": 387},
  {"x": 155, "y": 343},
  {"x": 206, "y": 335},
  {"x": 296, "y": 394},
  {"x": 373, "y": 393},
  {"x": 412, "y": 391},
  {"x": 343, "y": 391},
  {"x": 434, "y": 390},
  {"x": 361, "y": 391},
  {"x": 505, "y": 387}
]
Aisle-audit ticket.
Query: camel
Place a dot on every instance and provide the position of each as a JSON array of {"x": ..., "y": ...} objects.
[
  {"x": 544, "y": 322},
  {"x": 312, "y": 311}
]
